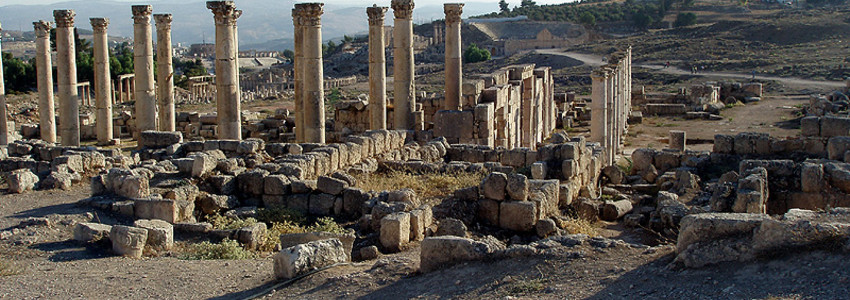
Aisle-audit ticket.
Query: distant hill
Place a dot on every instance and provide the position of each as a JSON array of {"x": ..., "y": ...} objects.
[{"x": 264, "y": 23}]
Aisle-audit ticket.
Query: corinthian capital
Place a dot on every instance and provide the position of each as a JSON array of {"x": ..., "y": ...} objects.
[
  {"x": 376, "y": 15},
  {"x": 142, "y": 14},
  {"x": 310, "y": 14},
  {"x": 453, "y": 12},
  {"x": 42, "y": 28},
  {"x": 64, "y": 17},
  {"x": 99, "y": 25},
  {"x": 402, "y": 9},
  {"x": 163, "y": 21},
  {"x": 224, "y": 12}
]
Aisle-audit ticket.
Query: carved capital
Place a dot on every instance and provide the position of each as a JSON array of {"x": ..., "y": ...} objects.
[
  {"x": 42, "y": 28},
  {"x": 142, "y": 14},
  {"x": 402, "y": 9},
  {"x": 376, "y": 15},
  {"x": 99, "y": 25},
  {"x": 224, "y": 12},
  {"x": 296, "y": 17},
  {"x": 310, "y": 14},
  {"x": 64, "y": 17},
  {"x": 453, "y": 12},
  {"x": 163, "y": 21}
]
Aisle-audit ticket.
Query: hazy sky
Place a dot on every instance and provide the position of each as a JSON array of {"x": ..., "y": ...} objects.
[{"x": 337, "y": 2}]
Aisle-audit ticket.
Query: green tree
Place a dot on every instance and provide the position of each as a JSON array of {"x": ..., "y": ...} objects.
[
  {"x": 473, "y": 54},
  {"x": 289, "y": 54},
  {"x": 503, "y": 6},
  {"x": 587, "y": 18},
  {"x": 685, "y": 19},
  {"x": 642, "y": 20},
  {"x": 527, "y": 3},
  {"x": 19, "y": 75}
]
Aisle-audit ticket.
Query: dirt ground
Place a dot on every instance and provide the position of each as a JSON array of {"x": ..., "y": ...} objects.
[{"x": 52, "y": 266}]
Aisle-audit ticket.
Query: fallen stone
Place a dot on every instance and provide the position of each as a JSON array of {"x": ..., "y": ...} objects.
[
  {"x": 445, "y": 251},
  {"x": 21, "y": 180},
  {"x": 160, "y": 233},
  {"x": 128, "y": 241},
  {"x": 91, "y": 232},
  {"x": 301, "y": 259}
]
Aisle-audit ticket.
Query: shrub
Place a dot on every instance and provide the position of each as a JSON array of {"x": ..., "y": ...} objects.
[
  {"x": 326, "y": 224},
  {"x": 223, "y": 223},
  {"x": 227, "y": 249},
  {"x": 685, "y": 19},
  {"x": 280, "y": 215},
  {"x": 587, "y": 18},
  {"x": 473, "y": 54}
]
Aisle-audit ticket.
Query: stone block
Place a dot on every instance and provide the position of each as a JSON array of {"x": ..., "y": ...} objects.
[
  {"x": 21, "y": 180},
  {"x": 517, "y": 187},
  {"x": 517, "y": 215},
  {"x": 451, "y": 226},
  {"x": 538, "y": 170},
  {"x": 445, "y": 251},
  {"x": 834, "y": 126},
  {"x": 812, "y": 178},
  {"x": 611, "y": 211},
  {"x": 837, "y": 146},
  {"x": 159, "y": 139},
  {"x": 252, "y": 182},
  {"x": 300, "y": 259},
  {"x": 160, "y": 233},
  {"x": 276, "y": 185},
  {"x": 303, "y": 186},
  {"x": 158, "y": 209},
  {"x": 417, "y": 225},
  {"x": 212, "y": 204},
  {"x": 293, "y": 239},
  {"x": 321, "y": 204},
  {"x": 724, "y": 144},
  {"x": 331, "y": 185},
  {"x": 91, "y": 232},
  {"x": 128, "y": 241},
  {"x": 252, "y": 236},
  {"x": 810, "y": 126},
  {"x": 715, "y": 226},
  {"x": 395, "y": 231},
  {"x": 493, "y": 186}
]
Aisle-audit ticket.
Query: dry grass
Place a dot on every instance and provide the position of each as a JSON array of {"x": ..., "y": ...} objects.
[
  {"x": 426, "y": 186},
  {"x": 579, "y": 226},
  {"x": 8, "y": 268}
]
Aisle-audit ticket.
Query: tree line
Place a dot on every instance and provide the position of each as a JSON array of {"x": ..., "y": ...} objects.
[
  {"x": 20, "y": 75},
  {"x": 642, "y": 14}
]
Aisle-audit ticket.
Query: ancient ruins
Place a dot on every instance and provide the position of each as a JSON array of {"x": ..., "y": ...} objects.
[{"x": 751, "y": 195}]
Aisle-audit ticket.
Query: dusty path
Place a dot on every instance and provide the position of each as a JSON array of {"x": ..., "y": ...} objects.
[{"x": 596, "y": 60}]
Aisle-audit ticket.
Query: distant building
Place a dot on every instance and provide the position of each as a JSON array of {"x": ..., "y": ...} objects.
[
  {"x": 202, "y": 50},
  {"x": 509, "y": 37}
]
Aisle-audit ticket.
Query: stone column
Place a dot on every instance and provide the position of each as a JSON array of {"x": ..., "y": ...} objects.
[
  {"x": 143, "y": 66},
  {"x": 313, "y": 80},
  {"x": 454, "y": 74},
  {"x": 403, "y": 65},
  {"x": 165, "y": 73},
  {"x": 298, "y": 75},
  {"x": 228, "y": 106},
  {"x": 377, "y": 68},
  {"x": 66, "y": 78},
  {"x": 102, "y": 82},
  {"x": 4, "y": 127},
  {"x": 598, "y": 116},
  {"x": 44, "y": 69}
]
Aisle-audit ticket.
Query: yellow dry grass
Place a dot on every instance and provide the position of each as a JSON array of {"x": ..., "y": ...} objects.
[{"x": 426, "y": 186}]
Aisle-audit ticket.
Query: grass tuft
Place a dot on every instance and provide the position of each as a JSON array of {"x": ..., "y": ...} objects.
[
  {"x": 526, "y": 286},
  {"x": 227, "y": 249},
  {"x": 426, "y": 186}
]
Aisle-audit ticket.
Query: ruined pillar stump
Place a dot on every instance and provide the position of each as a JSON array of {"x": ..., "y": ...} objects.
[
  {"x": 377, "y": 68},
  {"x": 677, "y": 140},
  {"x": 228, "y": 106},
  {"x": 66, "y": 78}
]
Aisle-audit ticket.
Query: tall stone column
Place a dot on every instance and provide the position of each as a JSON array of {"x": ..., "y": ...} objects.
[
  {"x": 4, "y": 127},
  {"x": 298, "y": 76},
  {"x": 403, "y": 65},
  {"x": 102, "y": 82},
  {"x": 165, "y": 73},
  {"x": 377, "y": 68},
  {"x": 228, "y": 106},
  {"x": 454, "y": 73},
  {"x": 313, "y": 80},
  {"x": 44, "y": 69},
  {"x": 143, "y": 66},
  {"x": 598, "y": 117},
  {"x": 66, "y": 78}
]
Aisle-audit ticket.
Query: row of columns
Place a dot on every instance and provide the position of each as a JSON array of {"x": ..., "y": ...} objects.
[
  {"x": 611, "y": 104},
  {"x": 141, "y": 82}
]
